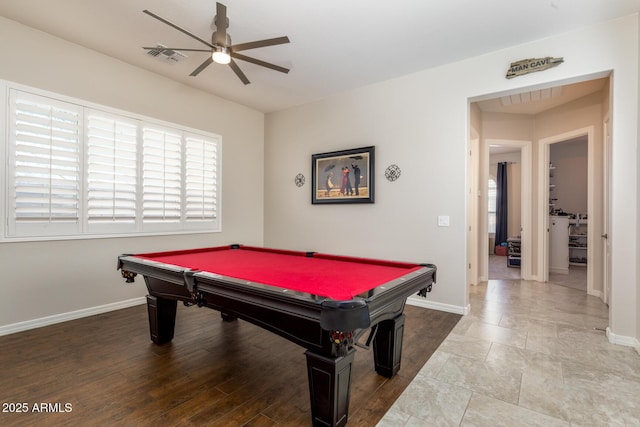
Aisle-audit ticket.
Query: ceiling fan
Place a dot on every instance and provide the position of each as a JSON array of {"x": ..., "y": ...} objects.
[{"x": 221, "y": 50}]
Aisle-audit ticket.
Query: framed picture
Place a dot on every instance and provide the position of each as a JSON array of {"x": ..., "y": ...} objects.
[{"x": 343, "y": 176}]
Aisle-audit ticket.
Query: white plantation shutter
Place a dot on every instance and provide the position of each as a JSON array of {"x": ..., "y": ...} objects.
[
  {"x": 112, "y": 169},
  {"x": 45, "y": 155},
  {"x": 201, "y": 181},
  {"x": 75, "y": 170},
  {"x": 161, "y": 175}
]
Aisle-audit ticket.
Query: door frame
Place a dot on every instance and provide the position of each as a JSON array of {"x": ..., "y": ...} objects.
[
  {"x": 526, "y": 197},
  {"x": 472, "y": 212},
  {"x": 544, "y": 145},
  {"x": 606, "y": 209}
]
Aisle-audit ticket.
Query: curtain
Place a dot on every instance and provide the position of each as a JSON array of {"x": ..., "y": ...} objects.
[{"x": 501, "y": 204}]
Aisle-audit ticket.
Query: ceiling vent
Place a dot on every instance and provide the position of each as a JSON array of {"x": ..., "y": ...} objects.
[{"x": 163, "y": 54}]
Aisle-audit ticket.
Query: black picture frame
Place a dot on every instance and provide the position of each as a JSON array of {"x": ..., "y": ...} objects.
[{"x": 345, "y": 176}]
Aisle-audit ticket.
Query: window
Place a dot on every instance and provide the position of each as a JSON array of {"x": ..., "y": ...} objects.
[
  {"x": 492, "y": 196},
  {"x": 75, "y": 171},
  {"x": 45, "y": 149},
  {"x": 201, "y": 182},
  {"x": 161, "y": 176},
  {"x": 112, "y": 172}
]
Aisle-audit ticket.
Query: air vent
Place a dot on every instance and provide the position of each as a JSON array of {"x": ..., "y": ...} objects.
[{"x": 163, "y": 54}]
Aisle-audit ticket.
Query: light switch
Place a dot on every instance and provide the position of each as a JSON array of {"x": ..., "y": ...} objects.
[{"x": 443, "y": 220}]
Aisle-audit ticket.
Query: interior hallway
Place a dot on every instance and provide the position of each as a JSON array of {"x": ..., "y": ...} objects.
[{"x": 528, "y": 354}]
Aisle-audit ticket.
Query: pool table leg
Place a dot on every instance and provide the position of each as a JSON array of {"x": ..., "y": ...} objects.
[
  {"x": 387, "y": 346},
  {"x": 162, "y": 318},
  {"x": 227, "y": 317},
  {"x": 329, "y": 388}
]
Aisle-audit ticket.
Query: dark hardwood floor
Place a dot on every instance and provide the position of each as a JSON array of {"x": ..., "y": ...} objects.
[{"x": 104, "y": 370}]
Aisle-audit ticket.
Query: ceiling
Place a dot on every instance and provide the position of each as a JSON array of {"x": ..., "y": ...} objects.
[
  {"x": 537, "y": 101},
  {"x": 335, "y": 45}
]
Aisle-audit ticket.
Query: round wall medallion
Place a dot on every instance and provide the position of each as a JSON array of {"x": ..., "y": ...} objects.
[
  {"x": 299, "y": 180},
  {"x": 392, "y": 173}
]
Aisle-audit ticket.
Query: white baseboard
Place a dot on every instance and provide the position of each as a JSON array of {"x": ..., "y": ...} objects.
[
  {"x": 623, "y": 340},
  {"x": 597, "y": 294},
  {"x": 72, "y": 315},
  {"x": 421, "y": 302}
]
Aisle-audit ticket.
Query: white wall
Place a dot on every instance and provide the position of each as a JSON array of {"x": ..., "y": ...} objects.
[
  {"x": 421, "y": 123},
  {"x": 408, "y": 122},
  {"x": 570, "y": 176},
  {"x": 41, "y": 279},
  {"x": 507, "y": 126}
]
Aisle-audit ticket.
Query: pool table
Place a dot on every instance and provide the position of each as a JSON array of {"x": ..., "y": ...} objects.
[{"x": 325, "y": 303}]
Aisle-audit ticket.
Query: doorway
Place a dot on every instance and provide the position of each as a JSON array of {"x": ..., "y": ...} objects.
[
  {"x": 509, "y": 259},
  {"x": 536, "y": 115},
  {"x": 568, "y": 192}
]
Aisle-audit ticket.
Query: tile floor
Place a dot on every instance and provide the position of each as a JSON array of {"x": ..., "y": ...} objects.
[
  {"x": 577, "y": 277},
  {"x": 528, "y": 354}
]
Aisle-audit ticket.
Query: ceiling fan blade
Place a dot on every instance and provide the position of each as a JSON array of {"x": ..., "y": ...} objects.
[
  {"x": 220, "y": 35},
  {"x": 259, "y": 43},
  {"x": 176, "y": 48},
  {"x": 202, "y": 66},
  {"x": 259, "y": 62},
  {"x": 153, "y": 15},
  {"x": 239, "y": 72}
]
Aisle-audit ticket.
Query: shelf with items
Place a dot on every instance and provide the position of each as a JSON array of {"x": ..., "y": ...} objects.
[
  {"x": 513, "y": 252},
  {"x": 578, "y": 235},
  {"x": 552, "y": 187}
]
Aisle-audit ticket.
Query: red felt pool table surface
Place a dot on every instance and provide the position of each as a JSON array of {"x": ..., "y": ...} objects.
[{"x": 335, "y": 277}]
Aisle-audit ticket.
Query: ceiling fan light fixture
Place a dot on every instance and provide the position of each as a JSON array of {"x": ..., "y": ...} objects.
[
  {"x": 220, "y": 55},
  {"x": 221, "y": 49}
]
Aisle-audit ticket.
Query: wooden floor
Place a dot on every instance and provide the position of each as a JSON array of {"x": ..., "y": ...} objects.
[{"x": 104, "y": 370}]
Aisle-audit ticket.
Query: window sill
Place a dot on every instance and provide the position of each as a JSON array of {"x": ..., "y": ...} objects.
[{"x": 22, "y": 239}]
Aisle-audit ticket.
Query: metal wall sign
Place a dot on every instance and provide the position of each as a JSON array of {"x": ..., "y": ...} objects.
[{"x": 526, "y": 66}]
